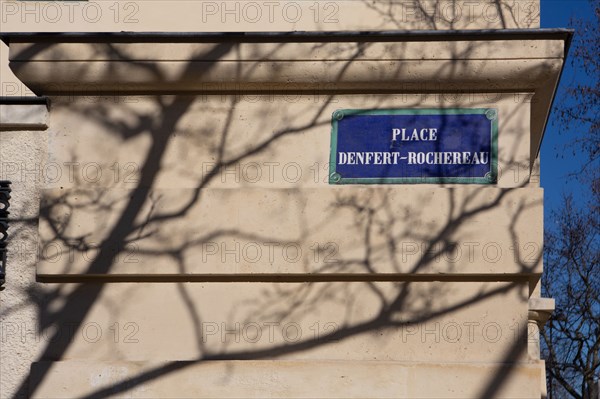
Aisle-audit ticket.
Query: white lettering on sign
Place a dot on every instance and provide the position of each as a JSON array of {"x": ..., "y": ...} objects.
[
  {"x": 425, "y": 134},
  {"x": 448, "y": 158},
  {"x": 413, "y": 158},
  {"x": 369, "y": 158}
]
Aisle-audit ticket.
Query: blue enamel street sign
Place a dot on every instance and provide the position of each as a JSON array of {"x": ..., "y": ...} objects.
[{"x": 457, "y": 145}]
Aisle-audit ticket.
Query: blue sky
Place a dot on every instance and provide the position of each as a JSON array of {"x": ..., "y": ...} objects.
[{"x": 556, "y": 163}]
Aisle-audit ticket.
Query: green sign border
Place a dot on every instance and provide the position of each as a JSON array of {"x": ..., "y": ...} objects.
[{"x": 490, "y": 178}]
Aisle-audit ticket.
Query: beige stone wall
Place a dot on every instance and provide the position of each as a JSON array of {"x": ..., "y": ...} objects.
[
  {"x": 247, "y": 379},
  {"x": 261, "y": 16},
  {"x": 275, "y": 193},
  {"x": 100, "y": 151},
  {"x": 229, "y": 267}
]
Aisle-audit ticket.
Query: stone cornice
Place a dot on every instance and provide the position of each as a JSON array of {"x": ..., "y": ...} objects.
[{"x": 330, "y": 62}]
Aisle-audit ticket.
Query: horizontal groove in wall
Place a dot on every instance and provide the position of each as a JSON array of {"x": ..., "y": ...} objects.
[{"x": 276, "y": 278}]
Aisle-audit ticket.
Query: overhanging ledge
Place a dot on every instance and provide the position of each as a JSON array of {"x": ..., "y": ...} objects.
[{"x": 520, "y": 61}]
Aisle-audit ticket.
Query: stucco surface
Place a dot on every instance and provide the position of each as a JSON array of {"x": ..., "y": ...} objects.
[{"x": 19, "y": 310}]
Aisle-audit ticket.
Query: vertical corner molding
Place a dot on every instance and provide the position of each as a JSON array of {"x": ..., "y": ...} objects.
[
  {"x": 4, "y": 205},
  {"x": 540, "y": 310}
]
